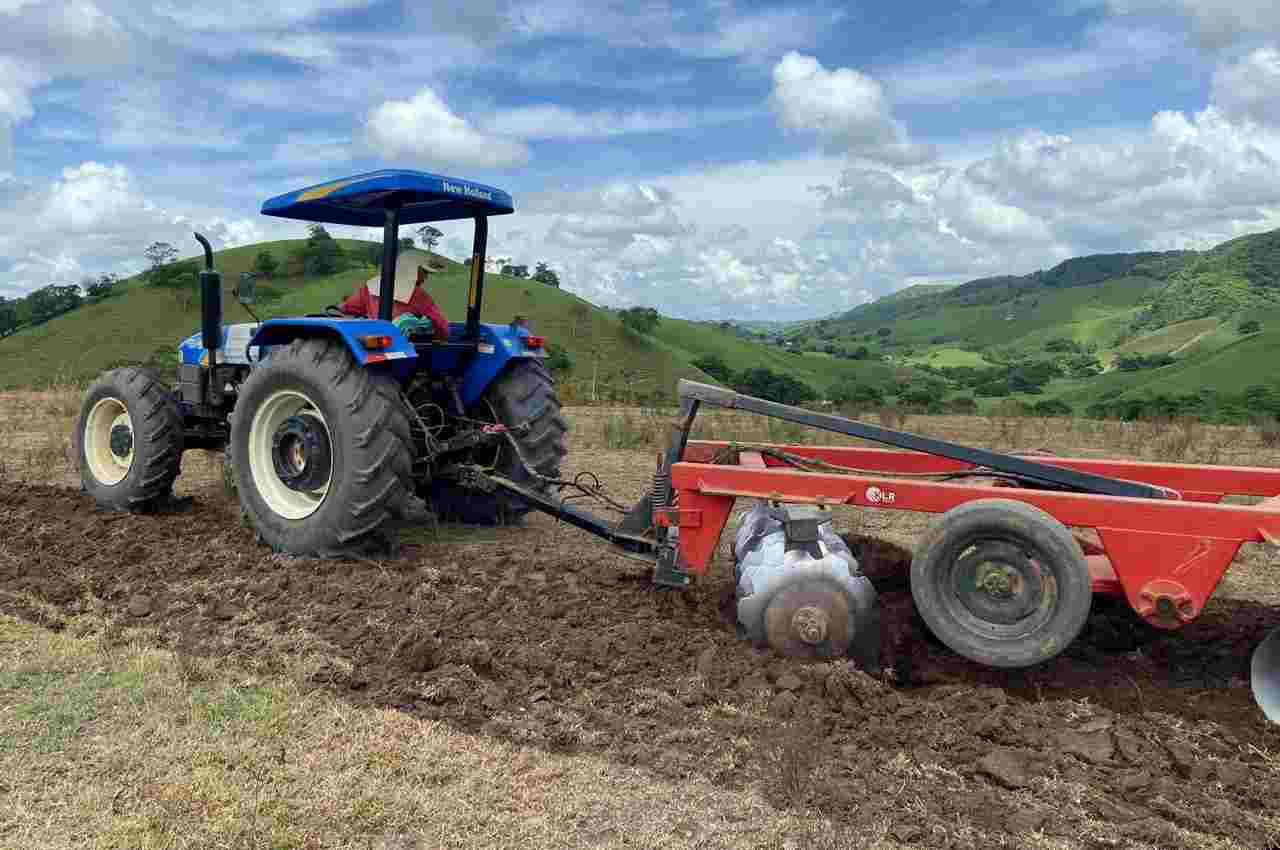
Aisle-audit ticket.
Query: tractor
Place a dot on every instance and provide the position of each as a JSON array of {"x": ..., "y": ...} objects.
[{"x": 334, "y": 427}]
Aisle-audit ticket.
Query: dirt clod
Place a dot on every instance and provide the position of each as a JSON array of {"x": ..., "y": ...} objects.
[
  {"x": 1094, "y": 747},
  {"x": 783, "y": 705},
  {"x": 788, "y": 682},
  {"x": 1007, "y": 767},
  {"x": 139, "y": 605}
]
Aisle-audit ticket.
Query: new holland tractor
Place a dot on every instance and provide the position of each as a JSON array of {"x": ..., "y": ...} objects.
[{"x": 334, "y": 426}]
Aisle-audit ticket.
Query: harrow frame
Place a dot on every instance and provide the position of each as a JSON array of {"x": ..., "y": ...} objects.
[{"x": 1165, "y": 536}]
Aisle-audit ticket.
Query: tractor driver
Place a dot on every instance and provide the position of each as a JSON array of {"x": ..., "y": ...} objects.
[{"x": 411, "y": 299}]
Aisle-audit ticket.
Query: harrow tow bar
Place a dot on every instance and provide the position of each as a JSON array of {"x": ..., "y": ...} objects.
[{"x": 1041, "y": 474}]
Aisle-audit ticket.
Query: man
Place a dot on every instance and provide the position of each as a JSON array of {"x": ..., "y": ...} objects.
[{"x": 411, "y": 298}]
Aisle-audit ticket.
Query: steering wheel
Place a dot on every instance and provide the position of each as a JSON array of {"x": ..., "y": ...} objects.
[{"x": 333, "y": 312}]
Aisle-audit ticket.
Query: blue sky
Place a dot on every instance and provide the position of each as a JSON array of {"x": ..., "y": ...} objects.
[{"x": 715, "y": 159}]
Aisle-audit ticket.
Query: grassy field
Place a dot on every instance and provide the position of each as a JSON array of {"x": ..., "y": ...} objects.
[{"x": 178, "y": 752}]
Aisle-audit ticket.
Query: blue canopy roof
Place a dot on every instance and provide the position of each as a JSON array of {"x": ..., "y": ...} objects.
[{"x": 362, "y": 200}]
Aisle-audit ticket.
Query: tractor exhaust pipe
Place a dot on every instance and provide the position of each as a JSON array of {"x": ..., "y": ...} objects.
[
  {"x": 210, "y": 303},
  {"x": 1265, "y": 676}
]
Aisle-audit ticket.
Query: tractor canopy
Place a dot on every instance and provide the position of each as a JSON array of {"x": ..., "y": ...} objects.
[{"x": 363, "y": 200}]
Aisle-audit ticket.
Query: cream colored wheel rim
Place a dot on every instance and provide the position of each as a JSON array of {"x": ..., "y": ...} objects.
[
  {"x": 105, "y": 465},
  {"x": 279, "y": 498}
]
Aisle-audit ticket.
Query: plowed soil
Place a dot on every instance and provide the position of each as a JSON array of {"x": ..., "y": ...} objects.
[{"x": 542, "y": 636}]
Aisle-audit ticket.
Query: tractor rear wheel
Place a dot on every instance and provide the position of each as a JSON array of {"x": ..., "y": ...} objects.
[
  {"x": 320, "y": 450},
  {"x": 525, "y": 394},
  {"x": 128, "y": 440},
  {"x": 1002, "y": 583}
]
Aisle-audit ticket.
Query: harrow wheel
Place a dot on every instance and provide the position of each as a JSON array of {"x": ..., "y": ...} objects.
[
  {"x": 320, "y": 450},
  {"x": 128, "y": 440},
  {"x": 1002, "y": 583}
]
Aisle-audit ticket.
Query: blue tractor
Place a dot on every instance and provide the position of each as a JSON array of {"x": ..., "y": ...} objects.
[{"x": 335, "y": 425}]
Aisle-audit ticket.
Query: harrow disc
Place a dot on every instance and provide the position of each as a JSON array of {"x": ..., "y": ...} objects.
[
  {"x": 1265, "y": 676},
  {"x": 809, "y": 619}
]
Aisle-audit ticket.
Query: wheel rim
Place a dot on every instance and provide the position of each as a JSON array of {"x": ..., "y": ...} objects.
[
  {"x": 108, "y": 441},
  {"x": 268, "y": 419},
  {"x": 999, "y": 588}
]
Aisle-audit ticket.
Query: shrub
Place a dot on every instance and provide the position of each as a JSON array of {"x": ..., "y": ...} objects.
[
  {"x": 851, "y": 392},
  {"x": 714, "y": 365},
  {"x": 558, "y": 360},
  {"x": 1052, "y": 407},
  {"x": 1268, "y": 429}
]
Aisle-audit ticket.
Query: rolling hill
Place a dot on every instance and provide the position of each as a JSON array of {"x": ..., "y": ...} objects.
[
  {"x": 144, "y": 322},
  {"x": 1153, "y": 324}
]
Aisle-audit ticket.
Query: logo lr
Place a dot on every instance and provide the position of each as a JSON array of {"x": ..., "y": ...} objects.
[{"x": 876, "y": 496}]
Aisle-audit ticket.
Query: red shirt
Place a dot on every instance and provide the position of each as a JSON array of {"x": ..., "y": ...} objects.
[{"x": 364, "y": 304}]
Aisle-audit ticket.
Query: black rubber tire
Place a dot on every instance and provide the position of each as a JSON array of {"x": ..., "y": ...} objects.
[
  {"x": 526, "y": 393},
  {"x": 157, "y": 440},
  {"x": 371, "y": 449},
  {"x": 1063, "y": 607}
]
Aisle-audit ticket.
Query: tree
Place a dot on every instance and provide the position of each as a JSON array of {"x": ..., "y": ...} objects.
[
  {"x": 853, "y": 393},
  {"x": 1252, "y": 326},
  {"x": 883, "y": 332},
  {"x": 8, "y": 316},
  {"x": 767, "y": 384},
  {"x": 543, "y": 274},
  {"x": 714, "y": 365},
  {"x": 641, "y": 320},
  {"x": 406, "y": 243},
  {"x": 515, "y": 271},
  {"x": 321, "y": 253},
  {"x": 265, "y": 264},
  {"x": 52, "y": 300},
  {"x": 430, "y": 236},
  {"x": 99, "y": 287},
  {"x": 159, "y": 254}
]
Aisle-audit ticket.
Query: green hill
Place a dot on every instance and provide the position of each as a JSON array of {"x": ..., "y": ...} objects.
[
  {"x": 144, "y": 322},
  {"x": 1152, "y": 324}
]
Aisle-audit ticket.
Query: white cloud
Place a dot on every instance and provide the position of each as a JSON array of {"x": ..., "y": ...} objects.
[
  {"x": 94, "y": 218},
  {"x": 844, "y": 106},
  {"x": 424, "y": 127},
  {"x": 985, "y": 71},
  {"x": 1219, "y": 22},
  {"x": 43, "y": 40},
  {"x": 552, "y": 121},
  {"x": 242, "y": 15},
  {"x": 1250, "y": 88}
]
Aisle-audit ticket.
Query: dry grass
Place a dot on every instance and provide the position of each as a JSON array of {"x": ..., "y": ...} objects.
[
  {"x": 1180, "y": 440},
  {"x": 229, "y": 758}
]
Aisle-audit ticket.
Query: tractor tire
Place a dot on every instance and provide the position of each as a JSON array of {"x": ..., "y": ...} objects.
[
  {"x": 128, "y": 440},
  {"x": 1002, "y": 583},
  {"x": 525, "y": 393},
  {"x": 345, "y": 431}
]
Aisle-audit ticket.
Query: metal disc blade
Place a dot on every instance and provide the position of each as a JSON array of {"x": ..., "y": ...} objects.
[
  {"x": 1265, "y": 675},
  {"x": 814, "y": 595}
]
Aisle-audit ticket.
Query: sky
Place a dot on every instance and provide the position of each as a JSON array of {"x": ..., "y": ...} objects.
[{"x": 714, "y": 159}]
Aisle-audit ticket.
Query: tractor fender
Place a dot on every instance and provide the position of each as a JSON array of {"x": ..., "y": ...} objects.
[
  {"x": 499, "y": 347},
  {"x": 400, "y": 358}
]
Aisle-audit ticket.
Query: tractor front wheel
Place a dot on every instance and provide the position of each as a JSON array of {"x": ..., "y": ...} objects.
[
  {"x": 128, "y": 440},
  {"x": 320, "y": 450},
  {"x": 525, "y": 395}
]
